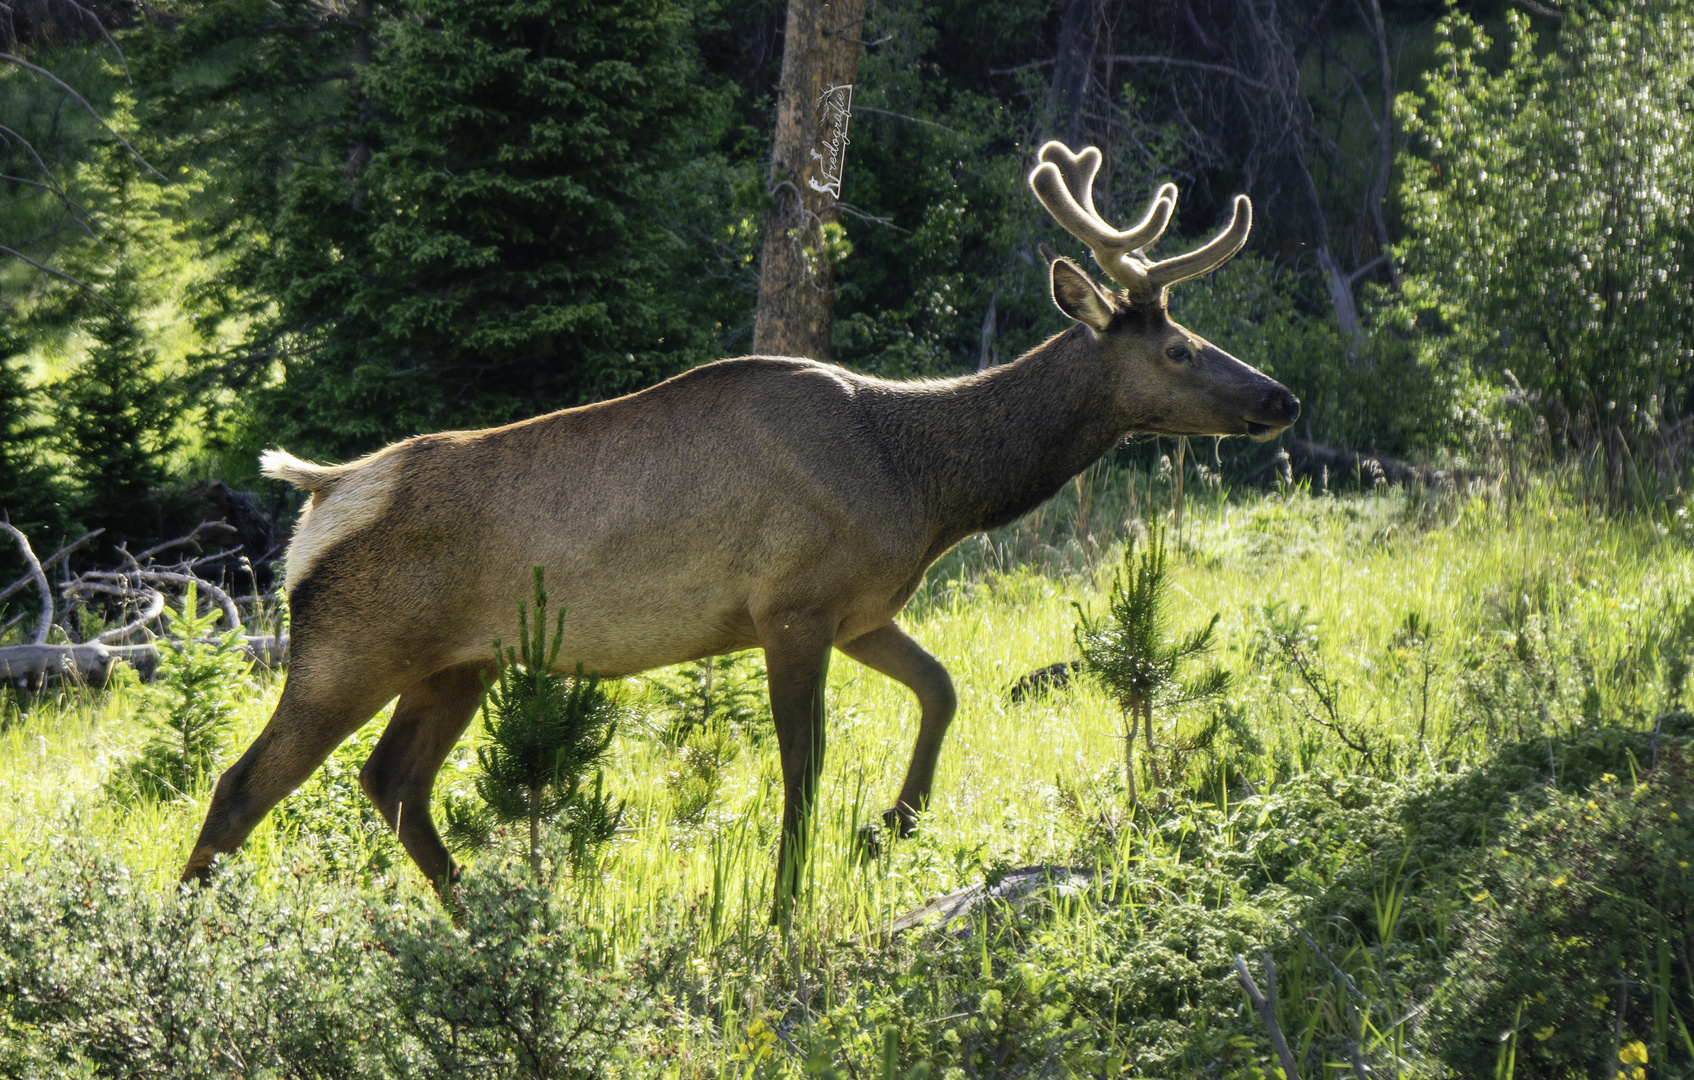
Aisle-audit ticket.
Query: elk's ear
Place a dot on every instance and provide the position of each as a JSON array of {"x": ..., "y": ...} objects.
[{"x": 1078, "y": 296}]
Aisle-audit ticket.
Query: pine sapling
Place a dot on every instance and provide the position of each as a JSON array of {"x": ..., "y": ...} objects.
[
  {"x": 190, "y": 707},
  {"x": 1132, "y": 651},
  {"x": 543, "y": 732}
]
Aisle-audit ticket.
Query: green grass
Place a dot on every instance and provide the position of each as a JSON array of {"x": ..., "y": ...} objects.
[{"x": 1589, "y": 598}]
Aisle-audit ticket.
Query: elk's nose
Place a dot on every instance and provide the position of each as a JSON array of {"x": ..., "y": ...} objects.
[{"x": 1282, "y": 403}]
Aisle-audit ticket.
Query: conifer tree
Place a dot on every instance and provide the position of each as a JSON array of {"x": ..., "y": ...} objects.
[
  {"x": 1132, "y": 651},
  {"x": 29, "y": 497},
  {"x": 542, "y": 733},
  {"x": 113, "y": 417},
  {"x": 190, "y": 707}
]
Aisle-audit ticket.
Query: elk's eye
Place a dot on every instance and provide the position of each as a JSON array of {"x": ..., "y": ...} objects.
[{"x": 1177, "y": 352}]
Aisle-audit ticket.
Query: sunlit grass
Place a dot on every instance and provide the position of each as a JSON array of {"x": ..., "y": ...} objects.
[{"x": 1017, "y": 782}]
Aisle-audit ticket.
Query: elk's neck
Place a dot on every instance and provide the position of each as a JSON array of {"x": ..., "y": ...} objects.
[{"x": 987, "y": 449}]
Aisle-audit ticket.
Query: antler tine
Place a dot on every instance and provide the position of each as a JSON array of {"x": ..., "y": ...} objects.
[
  {"x": 1209, "y": 257},
  {"x": 1053, "y": 185},
  {"x": 1078, "y": 170}
]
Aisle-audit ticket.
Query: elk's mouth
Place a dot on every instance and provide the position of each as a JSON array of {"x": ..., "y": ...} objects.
[{"x": 1263, "y": 432}]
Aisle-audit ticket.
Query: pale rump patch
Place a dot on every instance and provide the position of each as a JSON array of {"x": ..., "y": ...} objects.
[{"x": 345, "y": 499}]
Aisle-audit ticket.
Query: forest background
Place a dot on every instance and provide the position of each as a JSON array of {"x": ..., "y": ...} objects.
[
  {"x": 1442, "y": 802},
  {"x": 227, "y": 226}
]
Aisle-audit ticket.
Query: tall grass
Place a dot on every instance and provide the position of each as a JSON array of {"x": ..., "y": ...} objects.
[{"x": 1411, "y": 603}]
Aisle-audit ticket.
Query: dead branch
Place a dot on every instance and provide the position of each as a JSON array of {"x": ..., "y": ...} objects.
[
  {"x": 92, "y": 661},
  {"x": 1266, "y": 1006},
  {"x": 92, "y": 111},
  {"x": 155, "y": 607},
  {"x": 1198, "y": 65},
  {"x": 52, "y": 182},
  {"x": 49, "y": 563},
  {"x": 148, "y": 576},
  {"x": 45, "y": 623},
  {"x": 140, "y": 588},
  {"x": 192, "y": 538},
  {"x": 78, "y": 282}
]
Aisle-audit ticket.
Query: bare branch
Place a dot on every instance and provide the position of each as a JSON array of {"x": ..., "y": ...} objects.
[
  {"x": 155, "y": 607},
  {"x": 192, "y": 537},
  {"x": 78, "y": 282},
  {"x": 40, "y": 579},
  {"x": 98, "y": 25},
  {"x": 1267, "y": 1009},
  {"x": 1365, "y": 270},
  {"x": 1199, "y": 65},
  {"x": 92, "y": 111},
  {"x": 149, "y": 576},
  {"x": 903, "y": 116},
  {"x": 54, "y": 560}
]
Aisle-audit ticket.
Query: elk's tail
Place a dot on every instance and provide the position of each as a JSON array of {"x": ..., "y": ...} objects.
[{"x": 318, "y": 479}]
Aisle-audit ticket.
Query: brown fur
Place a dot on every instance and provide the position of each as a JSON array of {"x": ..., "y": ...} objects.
[{"x": 762, "y": 502}]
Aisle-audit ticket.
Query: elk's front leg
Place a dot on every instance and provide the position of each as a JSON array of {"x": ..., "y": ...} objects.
[
  {"x": 887, "y": 649},
  {"x": 797, "y": 662}
]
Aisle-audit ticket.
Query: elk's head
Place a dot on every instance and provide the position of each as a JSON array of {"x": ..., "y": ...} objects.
[{"x": 1174, "y": 382}]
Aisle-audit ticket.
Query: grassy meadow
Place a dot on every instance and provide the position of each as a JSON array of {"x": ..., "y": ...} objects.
[{"x": 1485, "y": 678}]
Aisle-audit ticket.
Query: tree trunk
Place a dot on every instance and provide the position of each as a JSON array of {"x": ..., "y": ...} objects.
[
  {"x": 796, "y": 280},
  {"x": 535, "y": 830},
  {"x": 1132, "y": 712},
  {"x": 1339, "y": 283},
  {"x": 1079, "y": 28}
]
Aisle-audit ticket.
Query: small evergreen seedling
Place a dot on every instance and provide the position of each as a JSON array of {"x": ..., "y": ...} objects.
[
  {"x": 1130, "y": 649},
  {"x": 542, "y": 734},
  {"x": 190, "y": 707}
]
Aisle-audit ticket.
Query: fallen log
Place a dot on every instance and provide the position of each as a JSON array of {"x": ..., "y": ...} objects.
[
  {"x": 91, "y": 662},
  {"x": 1334, "y": 466}
]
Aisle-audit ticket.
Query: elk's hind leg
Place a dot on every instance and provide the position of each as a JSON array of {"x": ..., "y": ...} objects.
[
  {"x": 887, "y": 649},
  {"x": 319, "y": 708},
  {"x": 398, "y": 777}
]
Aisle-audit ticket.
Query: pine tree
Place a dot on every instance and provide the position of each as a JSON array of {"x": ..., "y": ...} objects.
[
  {"x": 29, "y": 496},
  {"x": 542, "y": 734},
  {"x": 478, "y": 234},
  {"x": 113, "y": 418},
  {"x": 1132, "y": 651},
  {"x": 190, "y": 707}
]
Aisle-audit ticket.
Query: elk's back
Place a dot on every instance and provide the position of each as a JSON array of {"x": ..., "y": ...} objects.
[{"x": 666, "y": 520}]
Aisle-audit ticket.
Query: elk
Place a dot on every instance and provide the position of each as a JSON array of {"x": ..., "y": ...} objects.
[{"x": 759, "y": 502}]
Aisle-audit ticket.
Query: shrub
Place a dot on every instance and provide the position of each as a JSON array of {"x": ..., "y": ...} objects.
[
  {"x": 1547, "y": 212},
  {"x": 516, "y": 986},
  {"x": 103, "y": 974},
  {"x": 1584, "y": 948},
  {"x": 1132, "y": 651}
]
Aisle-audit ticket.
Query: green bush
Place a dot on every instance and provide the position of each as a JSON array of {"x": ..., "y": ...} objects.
[
  {"x": 105, "y": 975},
  {"x": 516, "y": 986},
  {"x": 1584, "y": 944},
  {"x": 1547, "y": 207},
  {"x": 542, "y": 733}
]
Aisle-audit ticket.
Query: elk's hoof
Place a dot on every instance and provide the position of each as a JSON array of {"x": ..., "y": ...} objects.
[
  {"x": 199, "y": 868},
  {"x": 902, "y": 820},
  {"x": 867, "y": 845}
]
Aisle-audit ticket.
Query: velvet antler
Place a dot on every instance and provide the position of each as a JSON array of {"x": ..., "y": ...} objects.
[{"x": 1064, "y": 182}]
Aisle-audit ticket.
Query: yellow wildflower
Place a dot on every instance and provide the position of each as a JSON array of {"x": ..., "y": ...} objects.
[
  {"x": 1558, "y": 881},
  {"x": 1545, "y": 1033},
  {"x": 1634, "y": 1053}
]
